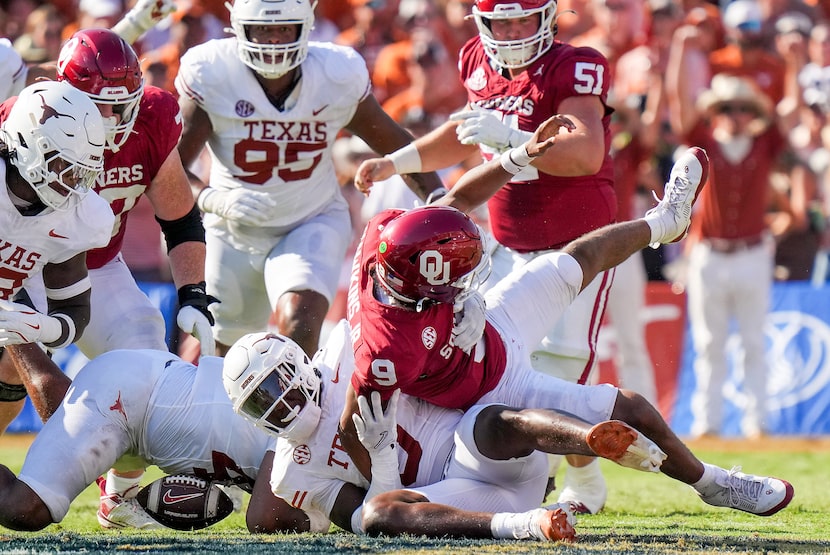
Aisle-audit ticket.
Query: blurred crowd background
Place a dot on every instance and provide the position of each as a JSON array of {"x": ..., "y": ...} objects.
[{"x": 780, "y": 47}]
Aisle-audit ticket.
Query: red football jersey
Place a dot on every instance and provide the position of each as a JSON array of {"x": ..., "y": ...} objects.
[
  {"x": 129, "y": 172},
  {"x": 399, "y": 348},
  {"x": 552, "y": 210}
]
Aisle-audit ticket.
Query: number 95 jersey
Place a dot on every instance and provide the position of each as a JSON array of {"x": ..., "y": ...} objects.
[{"x": 286, "y": 153}]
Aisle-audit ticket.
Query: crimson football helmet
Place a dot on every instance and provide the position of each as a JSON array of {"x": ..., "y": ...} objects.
[
  {"x": 271, "y": 60},
  {"x": 520, "y": 52},
  {"x": 55, "y": 136},
  {"x": 102, "y": 65},
  {"x": 431, "y": 253},
  {"x": 273, "y": 385}
]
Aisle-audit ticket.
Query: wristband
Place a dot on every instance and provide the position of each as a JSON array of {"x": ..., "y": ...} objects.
[
  {"x": 194, "y": 295},
  {"x": 406, "y": 159},
  {"x": 202, "y": 199},
  {"x": 515, "y": 160}
]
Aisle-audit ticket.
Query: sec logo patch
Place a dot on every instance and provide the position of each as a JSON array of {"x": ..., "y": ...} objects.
[
  {"x": 429, "y": 336},
  {"x": 302, "y": 454}
]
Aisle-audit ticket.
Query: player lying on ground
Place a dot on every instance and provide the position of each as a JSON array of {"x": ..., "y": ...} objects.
[
  {"x": 143, "y": 420},
  {"x": 483, "y": 471},
  {"x": 127, "y": 409},
  {"x": 413, "y": 269}
]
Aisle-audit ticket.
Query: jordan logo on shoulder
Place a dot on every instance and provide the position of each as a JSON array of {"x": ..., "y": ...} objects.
[{"x": 56, "y": 235}]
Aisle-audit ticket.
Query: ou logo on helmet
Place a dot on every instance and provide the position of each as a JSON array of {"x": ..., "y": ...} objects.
[{"x": 433, "y": 268}]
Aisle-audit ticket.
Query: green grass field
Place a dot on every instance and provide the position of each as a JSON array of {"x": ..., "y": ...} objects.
[{"x": 645, "y": 513}]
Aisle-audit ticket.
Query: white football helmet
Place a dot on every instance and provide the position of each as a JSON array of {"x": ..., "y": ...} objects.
[
  {"x": 55, "y": 135},
  {"x": 271, "y": 60},
  {"x": 272, "y": 384},
  {"x": 520, "y": 52}
]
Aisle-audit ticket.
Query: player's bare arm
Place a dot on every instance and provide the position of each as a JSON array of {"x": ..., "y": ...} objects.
[
  {"x": 582, "y": 151},
  {"x": 437, "y": 149},
  {"x": 197, "y": 128},
  {"x": 384, "y": 135},
  {"x": 45, "y": 383},
  {"x": 63, "y": 279},
  {"x": 268, "y": 513},
  {"x": 348, "y": 435},
  {"x": 477, "y": 185},
  {"x": 172, "y": 200}
]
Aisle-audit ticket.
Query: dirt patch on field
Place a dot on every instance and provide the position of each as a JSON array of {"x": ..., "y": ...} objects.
[{"x": 773, "y": 443}]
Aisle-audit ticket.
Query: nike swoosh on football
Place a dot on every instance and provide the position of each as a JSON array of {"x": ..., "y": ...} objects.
[
  {"x": 53, "y": 233},
  {"x": 170, "y": 498},
  {"x": 318, "y": 110}
]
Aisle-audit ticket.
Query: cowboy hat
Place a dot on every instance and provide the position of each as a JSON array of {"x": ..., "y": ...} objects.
[{"x": 731, "y": 89}]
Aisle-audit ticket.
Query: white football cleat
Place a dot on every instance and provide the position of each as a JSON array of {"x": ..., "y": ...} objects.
[
  {"x": 671, "y": 217},
  {"x": 758, "y": 495}
]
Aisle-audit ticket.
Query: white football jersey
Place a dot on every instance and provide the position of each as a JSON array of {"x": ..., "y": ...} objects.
[
  {"x": 309, "y": 474},
  {"x": 142, "y": 407},
  {"x": 13, "y": 71},
  {"x": 285, "y": 153},
  {"x": 28, "y": 243}
]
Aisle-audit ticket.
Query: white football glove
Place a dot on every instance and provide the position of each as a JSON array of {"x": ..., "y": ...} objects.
[
  {"x": 480, "y": 127},
  {"x": 195, "y": 318},
  {"x": 241, "y": 205},
  {"x": 20, "y": 324},
  {"x": 375, "y": 430},
  {"x": 470, "y": 318},
  {"x": 192, "y": 321},
  {"x": 378, "y": 432},
  {"x": 143, "y": 17}
]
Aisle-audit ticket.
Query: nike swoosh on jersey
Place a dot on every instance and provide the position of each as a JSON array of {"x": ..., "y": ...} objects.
[
  {"x": 336, "y": 377},
  {"x": 318, "y": 110},
  {"x": 53, "y": 233},
  {"x": 170, "y": 498}
]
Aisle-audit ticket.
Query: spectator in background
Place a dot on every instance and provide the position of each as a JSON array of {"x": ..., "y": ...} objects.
[
  {"x": 796, "y": 217},
  {"x": 620, "y": 25},
  {"x": 730, "y": 252},
  {"x": 41, "y": 40},
  {"x": 95, "y": 13},
  {"x": 746, "y": 53},
  {"x": 374, "y": 27}
]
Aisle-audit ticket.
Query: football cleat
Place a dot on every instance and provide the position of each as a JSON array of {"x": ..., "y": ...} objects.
[
  {"x": 617, "y": 441},
  {"x": 585, "y": 489},
  {"x": 671, "y": 217},
  {"x": 758, "y": 495},
  {"x": 116, "y": 511}
]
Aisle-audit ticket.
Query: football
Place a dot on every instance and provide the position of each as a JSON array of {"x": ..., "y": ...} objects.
[{"x": 185, "y": 502}]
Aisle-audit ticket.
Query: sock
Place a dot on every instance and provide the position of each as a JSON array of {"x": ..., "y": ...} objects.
[
  {"x": 708, "y": 482},
  {"x": 515, "y": 526},
  {"x": 655, "y": 225},
  {"x": 588, "y": 470},
  {"x": 120, "y": 485}
]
